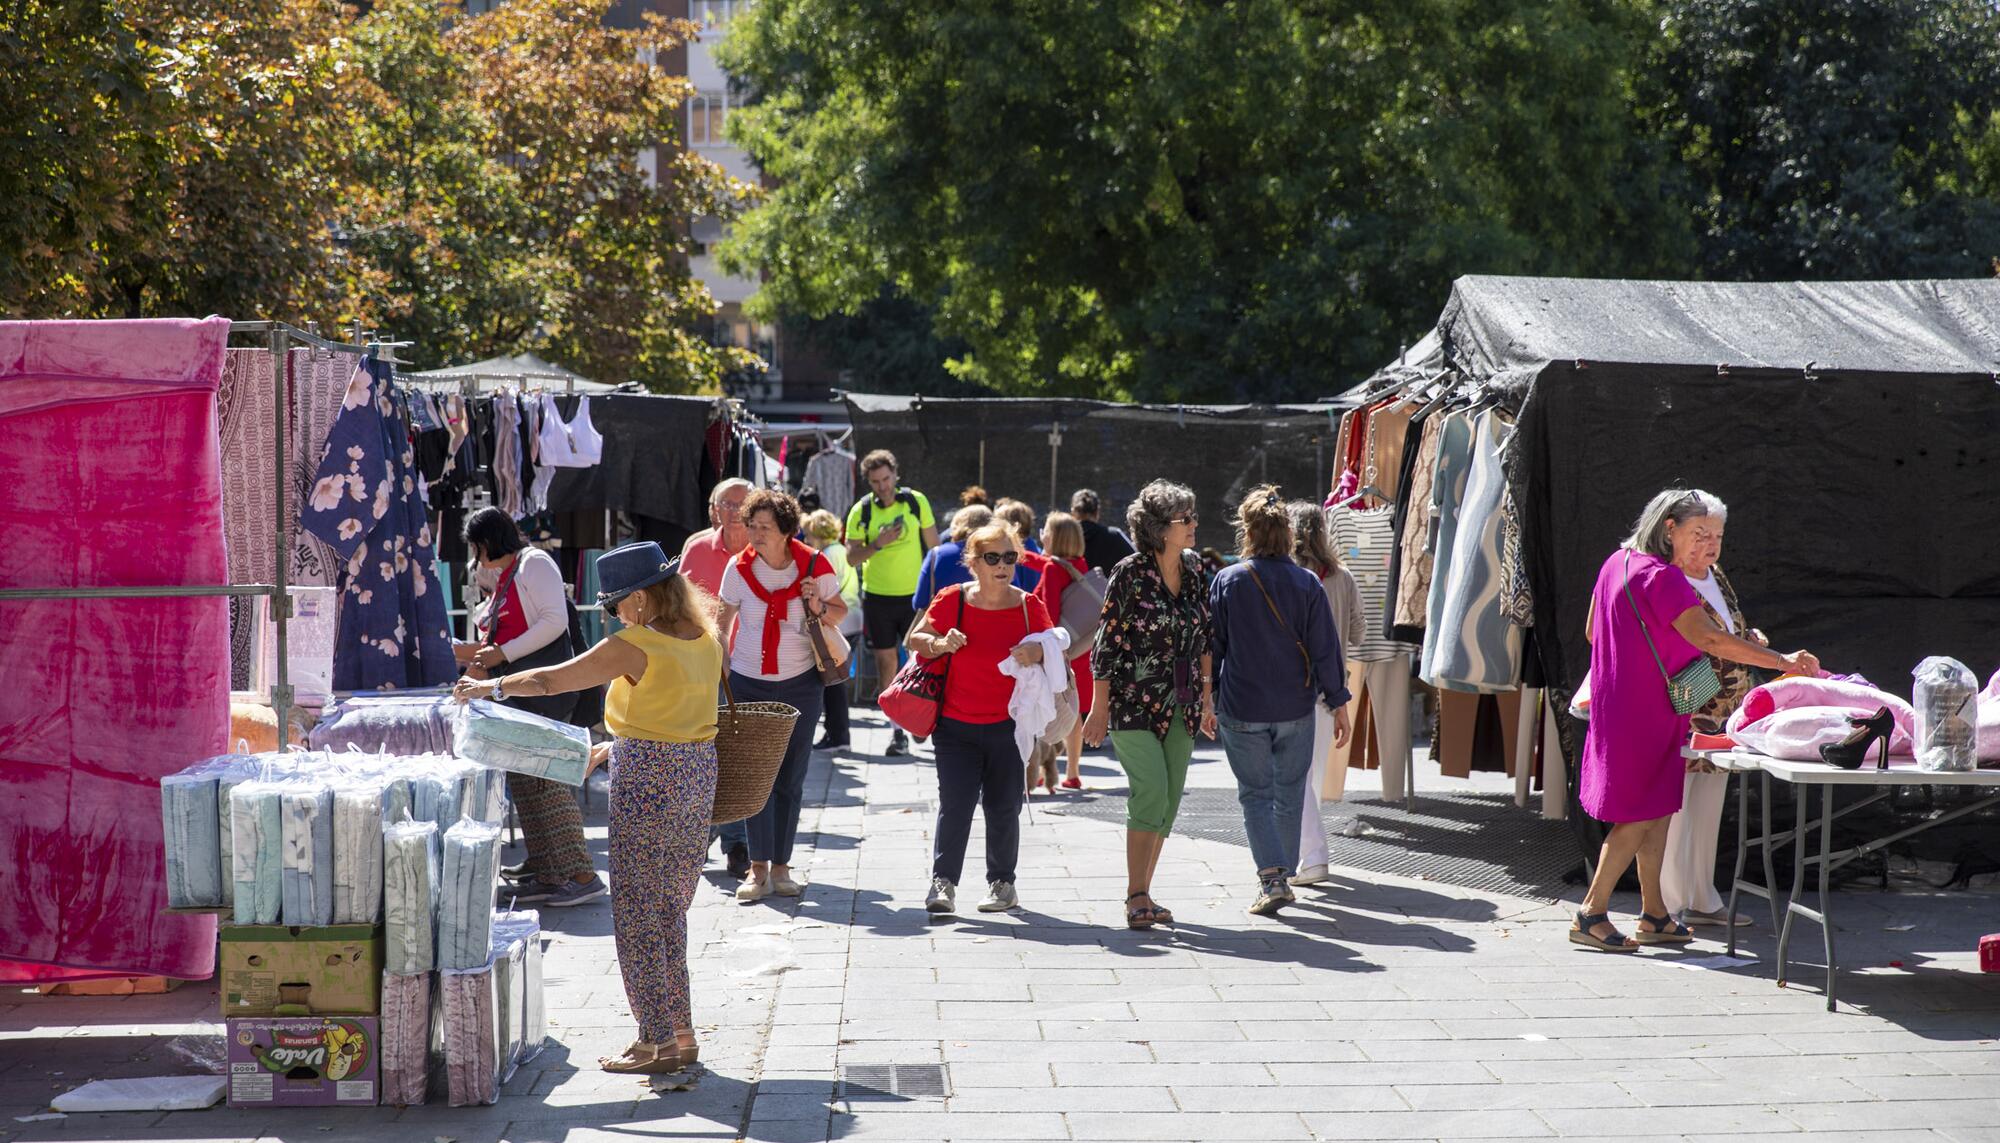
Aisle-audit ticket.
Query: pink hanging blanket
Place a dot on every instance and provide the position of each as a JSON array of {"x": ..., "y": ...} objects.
[
  {"x": 1793, "y": 717},
  {"x": 108, "y": 459}
]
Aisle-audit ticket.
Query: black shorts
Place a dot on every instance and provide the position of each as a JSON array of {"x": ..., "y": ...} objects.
[{"x": 885, "y": 619}]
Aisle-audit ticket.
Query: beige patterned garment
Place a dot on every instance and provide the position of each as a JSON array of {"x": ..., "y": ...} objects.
[
  {"x": 1413, "y": 587},
  {"x": 246, "y": 409},
  {"x": 1737, "y": 679}
]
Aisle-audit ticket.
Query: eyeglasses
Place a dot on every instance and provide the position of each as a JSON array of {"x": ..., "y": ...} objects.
[
  {"x": 995, "y": 559},
  {"x": 1190, "y": 519}
]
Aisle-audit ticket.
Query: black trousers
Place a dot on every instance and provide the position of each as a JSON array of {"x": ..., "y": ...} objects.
[
  {"x": 836, "y": 712},
  {"x": 978, "y": 765}
]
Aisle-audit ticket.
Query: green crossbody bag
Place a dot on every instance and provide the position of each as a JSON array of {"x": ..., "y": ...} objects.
[{"x": 1689, "y": 688}]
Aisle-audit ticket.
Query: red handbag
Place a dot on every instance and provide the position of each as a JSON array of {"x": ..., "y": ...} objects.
[{"x": 916, "y": 696}]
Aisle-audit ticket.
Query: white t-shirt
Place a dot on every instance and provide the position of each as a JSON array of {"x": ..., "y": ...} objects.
[
  {"x": 1711, "y": 593},
  {"x": 795, "y": 655}
]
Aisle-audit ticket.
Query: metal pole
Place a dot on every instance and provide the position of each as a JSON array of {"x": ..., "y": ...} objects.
[
  {"x": 188, "y": 591},
  {"x": 1055, "y": 448},
  {"x": 281, "y": 595}
]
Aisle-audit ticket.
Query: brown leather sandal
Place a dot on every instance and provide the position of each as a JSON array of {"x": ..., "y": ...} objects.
[
  {"x": 643, "y": 1059},
  {"x": 1140, "y": 916}
]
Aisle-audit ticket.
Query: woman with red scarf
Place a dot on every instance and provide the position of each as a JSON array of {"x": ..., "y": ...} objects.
[{"x": 768, "y": 591}]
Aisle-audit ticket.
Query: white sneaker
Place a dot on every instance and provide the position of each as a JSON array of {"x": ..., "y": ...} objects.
[
  {"x": 999, "y": 898},
  {"x": 1312, "y": 875},
  {"x": 784, "y": 886},
  {"x": 943, "y": 899},
  {"x": 754, "y": 889}
]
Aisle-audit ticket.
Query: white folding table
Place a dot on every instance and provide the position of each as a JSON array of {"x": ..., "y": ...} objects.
[{"x": 1806, "y": 777}]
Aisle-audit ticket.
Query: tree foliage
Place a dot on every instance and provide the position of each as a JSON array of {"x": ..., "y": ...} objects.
[
  {"x": 1836, "y": 138},
  {"x": 1260, "y": 198},
  {"x": 1171, "y": 200},
  {"x": 472, "y": 184}
]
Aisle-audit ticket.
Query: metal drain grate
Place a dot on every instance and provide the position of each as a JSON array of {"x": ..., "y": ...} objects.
[
  {"x": 880, "y": 1082},
  {"x": 1482, "y": 842}
]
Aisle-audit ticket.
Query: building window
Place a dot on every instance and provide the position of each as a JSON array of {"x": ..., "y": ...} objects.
[
  {"x": 706, "y": 112},
  {"x": 715, "y": 15}
]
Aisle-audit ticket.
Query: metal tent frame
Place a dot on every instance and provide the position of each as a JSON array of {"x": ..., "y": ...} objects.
[{"x": 282, "y": 336}]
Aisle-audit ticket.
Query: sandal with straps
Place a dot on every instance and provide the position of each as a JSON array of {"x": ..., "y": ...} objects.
[
  {"x": 644, "y": 1059},
  {"x": 1161, "y": 914},
  {"x": 1139, "y": 917},
  {"x": 1665, "y": 931},
  {"x": 1617, "y": 942}
]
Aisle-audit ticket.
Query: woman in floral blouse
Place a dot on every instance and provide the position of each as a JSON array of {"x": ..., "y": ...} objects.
[{"x": 1153, "y": 689}]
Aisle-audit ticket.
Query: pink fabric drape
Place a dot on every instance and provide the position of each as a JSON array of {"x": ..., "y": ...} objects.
[{"x": 108, "y": 459}]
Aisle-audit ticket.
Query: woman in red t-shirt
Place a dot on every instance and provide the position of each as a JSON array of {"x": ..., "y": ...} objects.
[
  {"x": 979, "y": 624},
  {"x": 1062, "y": 541}
]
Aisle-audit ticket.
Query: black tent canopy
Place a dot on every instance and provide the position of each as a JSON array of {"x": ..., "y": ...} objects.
[{"x": 1852, "y": 427}]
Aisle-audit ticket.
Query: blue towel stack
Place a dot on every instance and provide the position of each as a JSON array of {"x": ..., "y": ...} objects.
[
  {"x": 471, "y": 865},
  {"x": 257, "y": 850},
  {"x": 409, "y": 896}
]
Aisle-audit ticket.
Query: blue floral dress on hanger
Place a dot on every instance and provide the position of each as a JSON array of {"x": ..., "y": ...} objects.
[{"x": 393, "y": 631}]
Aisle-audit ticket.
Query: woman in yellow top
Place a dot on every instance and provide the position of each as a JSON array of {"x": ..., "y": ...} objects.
[{"x": 664, "y": 668}]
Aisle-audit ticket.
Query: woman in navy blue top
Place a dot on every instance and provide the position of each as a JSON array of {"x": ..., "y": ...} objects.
[{"x": 1277, "y": 652}]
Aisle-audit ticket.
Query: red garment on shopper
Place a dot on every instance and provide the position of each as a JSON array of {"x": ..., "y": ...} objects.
[
  {"x": 1050, "y": 591},
  {"x": 974, "y": 688}
]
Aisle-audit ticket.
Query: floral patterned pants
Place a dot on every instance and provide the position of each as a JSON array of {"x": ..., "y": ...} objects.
[{"x": 661, "y": 795}]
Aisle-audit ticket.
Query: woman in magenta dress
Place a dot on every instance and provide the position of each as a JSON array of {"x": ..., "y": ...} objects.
[{"x": 1632, "y": 771}]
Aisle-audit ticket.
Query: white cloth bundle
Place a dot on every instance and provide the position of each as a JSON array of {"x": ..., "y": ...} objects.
[
  {"x": 357, "y": 851},
  {"x": 1034, "y": 705},
  {"x": 257, "y": 850},
  {"x": 409, "y": 897},
  {"x": 470, "y": 866},
  {"x": 306, "y": 869}
]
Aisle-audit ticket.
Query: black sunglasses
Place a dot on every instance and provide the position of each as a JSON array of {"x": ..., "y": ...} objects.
[
  {"x": 1190, "y": 518},
  {"x": 995, "y": 559}
]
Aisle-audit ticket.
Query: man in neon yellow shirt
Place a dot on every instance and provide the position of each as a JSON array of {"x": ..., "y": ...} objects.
[{"x": 887, "y": 534}]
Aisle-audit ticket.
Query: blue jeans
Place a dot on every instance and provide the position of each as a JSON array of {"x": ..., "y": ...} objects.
[
  {"x": 773, "y": 828},
  {"x": 1271, "y": 761}
]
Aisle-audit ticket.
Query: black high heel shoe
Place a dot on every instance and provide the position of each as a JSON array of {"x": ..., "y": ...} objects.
[{"x": 1850, "y": 752}]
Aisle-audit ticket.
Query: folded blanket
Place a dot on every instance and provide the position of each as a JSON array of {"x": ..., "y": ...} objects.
[
  {"x": 409, "y": 897},
  {"x": 357, "y": 852},
  {"x": 391, "y": 724},
  {"x": 192, "y": 816},
  {"x": 470, "y": 868},
  {"x": 306, "y": 872},
  {"x": 406, "y": 1038},
  {"x": 257, "y": 850},
  {"x": 1792, "y": 718},
  {"x": 508, "y": 738},
  {"x": 469, "y": 1032}
]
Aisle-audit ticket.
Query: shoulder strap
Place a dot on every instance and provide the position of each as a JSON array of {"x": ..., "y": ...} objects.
[
  {"x": 1629, "y": 598},
  {"x": 1282, "y": 621}
]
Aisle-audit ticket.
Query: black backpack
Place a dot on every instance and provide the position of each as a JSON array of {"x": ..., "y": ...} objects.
[{"x": 908, "y": 500}]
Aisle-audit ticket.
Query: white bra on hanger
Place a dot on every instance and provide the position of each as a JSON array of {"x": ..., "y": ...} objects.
[{"x": 574, "y": 445}]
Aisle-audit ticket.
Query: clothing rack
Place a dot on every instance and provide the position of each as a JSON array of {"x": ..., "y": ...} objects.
[{"x": 281, "y": 335}]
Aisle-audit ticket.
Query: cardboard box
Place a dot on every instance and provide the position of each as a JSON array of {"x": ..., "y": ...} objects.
[
  {"x": 275, "y": 970},
  {"x": 311, "y": 1061}
]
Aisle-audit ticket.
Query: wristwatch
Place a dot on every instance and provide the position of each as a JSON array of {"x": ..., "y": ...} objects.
[{"x": 498, "y": 694}]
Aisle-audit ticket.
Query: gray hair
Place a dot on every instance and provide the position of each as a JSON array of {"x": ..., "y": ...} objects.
[
  {"x": 725, "y": 487},
  {"x": 1680, "y": 505},
  {"x": 1149, "y": 516}
]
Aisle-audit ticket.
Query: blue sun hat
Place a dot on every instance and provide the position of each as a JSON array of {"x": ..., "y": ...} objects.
[{"x": 622, "y": 571}]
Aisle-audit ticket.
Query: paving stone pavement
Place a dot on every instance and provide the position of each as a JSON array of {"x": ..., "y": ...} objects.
[{"x": 1378, "y": 1008}]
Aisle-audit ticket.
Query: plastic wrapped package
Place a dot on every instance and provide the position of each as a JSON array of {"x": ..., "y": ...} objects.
[
  {"x": 1947, "y": 714},
  {"x": 257, "y": 850},
  {"x": 510, "y": 972},
  {"x": 438, "y": 794},
  {"x": 507, "y": 738},
  {"x": 467, "y": 1033},
  {"x": 357, "y": 851},
  {"x": 309, "y": 636},
  {"x": 468, "y": 871},
  {"x": 519, "y": 934},
  {"x": 409, "y": 897},
  {"x": 1989, "y": 720},
  {"x": 306, "y": 871},
  {"x": 406, "y": 1038},
  {"x": 225, "y": 833},
  {"x": 393, "y": 724},
  {"x": 191, "y": 817},
  {"x": 485, "y": 796},
  {"x": 397, "y": 802}
]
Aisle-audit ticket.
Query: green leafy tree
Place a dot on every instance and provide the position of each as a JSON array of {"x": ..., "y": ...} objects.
[
  {"x": 1837, "y": 138},
  {"x": 167, "y": 158},
  {"x": 501, "y": 202},
  {"x": 1168, "y": 200}
]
